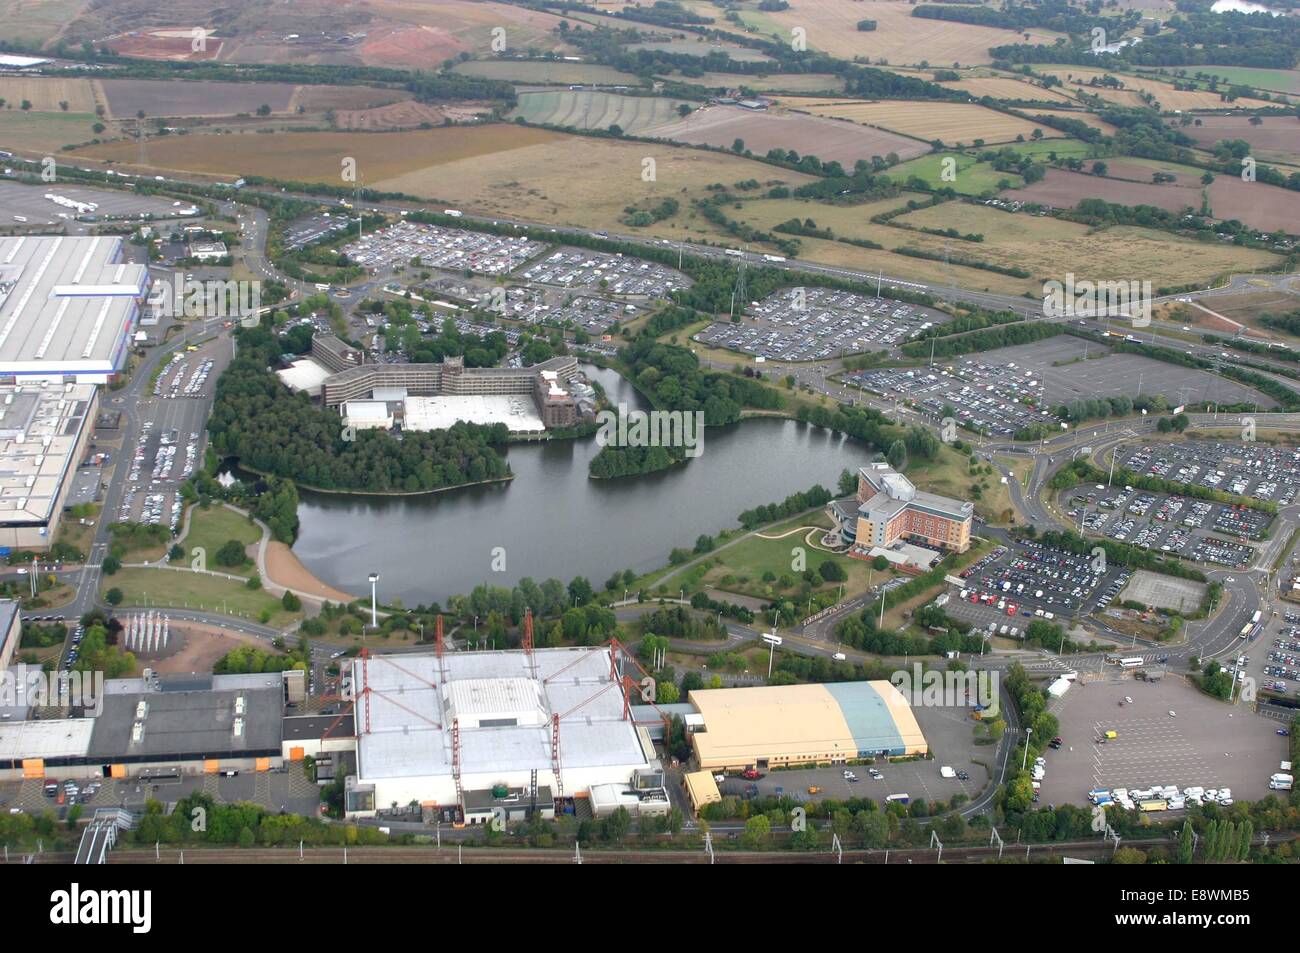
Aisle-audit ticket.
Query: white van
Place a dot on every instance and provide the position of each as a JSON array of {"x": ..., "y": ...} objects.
[
  {"x": 947, "y": 772},
  {"x": 839, "y": 656}
]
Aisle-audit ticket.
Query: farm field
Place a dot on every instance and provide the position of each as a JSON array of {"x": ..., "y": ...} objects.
[
  {"x": 1050, "y": 248},
  {"x": 45, "y": 94},
  {"x": 698, "y": 46},
  {"x": 1276, "y": 138},
  {"x": 1165, "y": 94},
  {"x": 1004, "y": 87},
  {"x": 1062, "y": 189},
  {"x": 425, "y": 32},
  {"x": 403, "y": 115},
  {"x": 951, "y": 122},
  {"x": 546, "y": 71},
  {"x": 972, "y": 177},
  {"x": 1083, "y": 117},
  {"x": 537, "y": 181},
  {"x": 808, "y": 135},
  {"x": 316, "y": 99},
  {"x": 1274, "y": 80},
  {"x": 28, "y": 133},
  {"x": 157, "y": 97},
  {"x": 589, "y": 109},
  {"x": 1049, "y": 147},
  {"x": 316, "y": 156},
  {"x": 854, "y": 221},
  {"x": 788, "y": 82},
  {"x": 1261, "y": 206},
  {"x": 898, "y": 38},
  {"x": 36, "y": 22}
]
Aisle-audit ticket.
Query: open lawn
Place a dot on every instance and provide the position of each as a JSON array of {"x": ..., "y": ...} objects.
[
  {"x": 1274, "y": 80},
  {"x": 899, "y": 37},
  {"x": 546, "y": 72},
  {"x": 167, "y": 588},
  {"x": 971, "y": 177},
  {"x": 948, "y": 474},
  {"x": 211, "y": 529},
  {"x": 588, "y": 109},
  {"x": 949, "y": 122},
  {"x": 43, "y": 133}
]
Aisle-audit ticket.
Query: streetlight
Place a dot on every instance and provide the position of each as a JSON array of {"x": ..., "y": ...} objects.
[
  {"x": 374, "y": 605},
  {"x": 1025, "y": 760}
]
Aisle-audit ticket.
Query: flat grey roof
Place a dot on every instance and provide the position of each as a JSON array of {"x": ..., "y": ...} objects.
[
  {"x": 301, "y": 727},
  {"x": 65, "y": 303},
  {"x": 196, "y": 724}
]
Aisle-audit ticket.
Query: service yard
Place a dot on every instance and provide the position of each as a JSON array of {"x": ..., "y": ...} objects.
[{"x": 1171, "y": 734}]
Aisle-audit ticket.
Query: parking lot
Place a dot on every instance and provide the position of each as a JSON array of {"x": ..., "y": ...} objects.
[
  {"x": 611, "y": 274},
  {"x": 1245, "y": 468},
  {"x": 30, "y": 202},
  {"x": 1195, "y": 529},
  {"x": 1205, "y": 743},
  {"x": 811, "y": 324},
  {"x": 436, "y": 247},
  {"x": 1028, "y": 580},
  {"x": 1067, "y": 375},
  {"x": 950, "y": 733},
  {"x": 982, "y": 396},
  {"x": 310, "y": 229},
  {"x": 169, "y": 445}
]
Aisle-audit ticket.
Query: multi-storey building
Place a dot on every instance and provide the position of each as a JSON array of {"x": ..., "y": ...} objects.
[{"x": 890, "y": 508}]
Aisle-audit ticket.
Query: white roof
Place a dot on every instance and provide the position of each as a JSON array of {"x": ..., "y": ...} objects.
[
  {"x": 51, "y": 738},
  {"x": 411, "y": 712}
]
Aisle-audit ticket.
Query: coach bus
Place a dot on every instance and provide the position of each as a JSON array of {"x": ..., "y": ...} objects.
[{"x": 1130, "y": 663}]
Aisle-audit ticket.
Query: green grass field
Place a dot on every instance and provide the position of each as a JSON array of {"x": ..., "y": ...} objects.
[
  {"x": 972, "y": 177},
  {"x": 210, "y": 529},
  {"x": 1043, "y": 149},
  {"x": 586, "y": 109},
  {"x": 165, "y": 588},
  {"x": 31, "y": 131},
  {"x": 1275, "y": 80}
]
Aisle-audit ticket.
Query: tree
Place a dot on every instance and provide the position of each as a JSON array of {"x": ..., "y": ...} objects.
[
  {"x": 757, "y": 830},
  {"x": 880, "y": 564},
  {"x": 738, "y": 145},
  {"x": 897, "y": 455},
  {"x": 580, "y": 591},
  {"x": 1099, "y": 168},
  {"x": 1185, "y": 845},
  {"x": 264, "y": 110},
  {"x": 111, "y": 565},
  {"x": 231, "y": 553},
  {"x": 290, "y": 602},
  {"x": 848, "y": 484},
  {"x": 113, "y": 597},
  {"x": 832, "y": 571}
]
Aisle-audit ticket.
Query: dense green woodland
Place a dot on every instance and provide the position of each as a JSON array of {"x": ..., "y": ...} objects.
[{"x": 258, "y": 420}]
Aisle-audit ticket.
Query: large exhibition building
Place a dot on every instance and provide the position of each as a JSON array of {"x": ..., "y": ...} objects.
[{"x": 68, "y": 308}]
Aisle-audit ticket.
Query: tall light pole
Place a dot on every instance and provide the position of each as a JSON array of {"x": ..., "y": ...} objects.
[
  {"x": 1025, "y": 760},
  {"x": 374, "y": 605}
]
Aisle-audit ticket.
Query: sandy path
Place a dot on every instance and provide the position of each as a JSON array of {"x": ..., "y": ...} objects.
[{"x": 284, "y": 569}]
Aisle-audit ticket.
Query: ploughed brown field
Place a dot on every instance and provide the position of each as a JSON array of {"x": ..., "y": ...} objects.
[
  {"x": 171, "y": 97},
  {"x": 1275, "y": 136}
]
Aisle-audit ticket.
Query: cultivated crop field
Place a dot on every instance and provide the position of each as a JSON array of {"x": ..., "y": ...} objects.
[
  {"x": 788, "y": 82},
  {"x": 1050, "y": 248},
  {"x": 403, "y": 115},
  {"x": 1004, "y": 87},
  {"x": 1166, "y": 96},
  {"x": 693, "y": 45},
  {"x": 36, "y": 22},
  {"x": 844, "y": 142},
  {"x": 899, "y": 37},
  {"x": 157, "y": 97},
  {"x": 951, "y": 122},
  {"x": 1276, "y": 80},
  {"x": 318, "y": 156},
  {"x": 588, "y": 109},
  {"x": 1276, "y": 137},
  {"x": 538, "y": 181},
  {"x": 547, "y": 71},
  {"x": 46, "y": 94}
]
